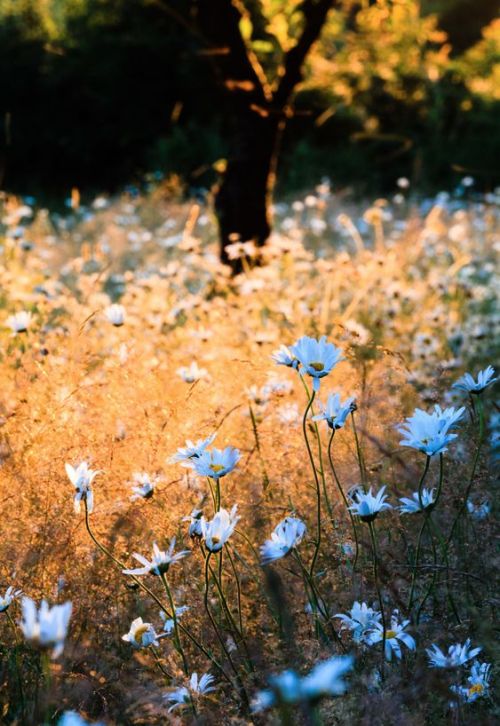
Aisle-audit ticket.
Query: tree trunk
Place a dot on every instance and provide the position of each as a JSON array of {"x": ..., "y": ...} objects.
[{"x": 242, "y": 202}]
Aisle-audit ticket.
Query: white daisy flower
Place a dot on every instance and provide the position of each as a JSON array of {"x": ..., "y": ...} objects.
[
  {"x": 115, "y": 314},
  {"x": 217, "y": 531},
  {"x": 46, "y": 627},
  {"x": 7, "y": 599},
  {"x": 168, "y": 623},
  {"x": 429, "y": 432},
  {"x": 484, "y": 379},
  {"x": 335, "y": 412},
  {"x": 479, "y": 683},
  {"x": 141, "y": 634},
  {"x": 192, "y": 373},
  {"x": 144, "y": 486},
  {"x": 367, "y": 506},
  {"x": 316, "y": 357},
  {"x": 160, "y": 562},
  {"x": 186, "y": 454},
  {"x": 82, "y": 478},
  {"x": 360, "y": 620},
  {"x": 412, "y": 505},
  {"x": 395, "y": 634},
  {"x": 287, "y": 535},
  {"x": 217, "y": 462},
  {"x": 197, "y": 687},
  {"x": 457, "y": 655},
  {"x": 19, "y": 322}
]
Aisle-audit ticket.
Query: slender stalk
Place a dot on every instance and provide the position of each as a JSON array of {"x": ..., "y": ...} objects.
[
  {"x": 216, "y": 629},
  {"x": 422, "y": 528},
  {"x": 480, "y": 408},
  {"x": 238, "y": 588},
  {"x": 377, "y": 586},
  {"x": 212, "y": 492},
  {"x": 265, "y": 477},
  {"x": 177, "y": 639},
  {"x": 316, "y": 480},
  {"x": 159, "y": 663},
  {"x": 339, "y": 487},
  {"x": 361, "y": 461},
  {"x": 154, "y": 597}
]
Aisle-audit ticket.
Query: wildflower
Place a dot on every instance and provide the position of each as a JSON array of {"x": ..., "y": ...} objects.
[
  {"x": 325, "y": 679},
  {"x": 367, "y": 506},
  {"x": 237, "y": 250},
  {"x": 469, "y": 385},
  {"x": 82, "y": 478},
  {"x": 72, "y": 718},
  {"x": 216, "y": 463},
  {"x": 6, "y": 600},
  {"x": 197, "y": 687},
  {"x": 145, "y": 486},
  {"x": 115, "y": 314},
  {"x": 457, "y": 655},
  {"x": 287, "y": 535},
  {"x": 284, "y": 357},
  {"x": 168, "y": 623},
  {"x": 317, "y": 357},
  {"x": 160, "y": 561},
  {"x": 360, "y": 620},
  {"x": 395, "y": 634},
  {"x": 191, "y": 451},
  {"x": 19, "y": 322},
  {"x": 194, "y": 520},
  {"x": 141, "y": 634},
  {"x": 47, "y": 627},
  {"x": 479, "y": 683},
  {"x": 335, "y": 412},
  {"x": 289, "y": 414},
  {"x": 217, "y": 531},
  {"x": 192, "y": 373},
  {"x": 478, "y": 511},
  {"x": 412, "y": 504},
  {"x": 429, "y": 432}
]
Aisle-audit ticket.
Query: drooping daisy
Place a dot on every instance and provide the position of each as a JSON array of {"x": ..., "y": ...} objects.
[
  {"x": 284, "y": 357},
  {"x": 217, "y": 531},
  {"x": 469, "y": 385},
  {"x": 286, "y": 535},
  {"x": 367, "y": 506},
  {"x": 335, "y": 412},
  {"x": 19, "y": 322},
  {"x": 144, "y": 486},
  {"x": 8, "y": 598},
  {"x": 217, "y": 462},
  {"x": 479, "y": 683},
  {"x": 194, "y": 520},
  {"x": 82, "y": 478},
  {"x": 115, "y": 314},
  {"x": 393, "y": 635},
  {"x": 197, "y": 687},
  {"x": 141, "y": 634},
  {"x": 160, "y": 562},
  {"x": 46, "y": 627},
  {"x": 168, "y": 623},
  {"x": 412, "y": 505},
  {"x": 186, "y": 454},
  {"x": 429, "y": 432},
  {"x": 360, "y": 620},
  {"x": 457, "y": 655},
  {"x": 192, "y": 373},
  {"x": 316, "y": 357}
]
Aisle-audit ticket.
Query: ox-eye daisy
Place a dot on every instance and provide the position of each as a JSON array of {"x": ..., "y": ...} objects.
[
  {"x": 197, "y": 687},
  {"x": 159, "y": 563},
  {"x": 46, "y": 627},
  {"x": 316, "y": 357},
  {"x": 217, "y": 462},
  {"x": 141, "y": 634},
  {"x": 393, "y": 635},
  {"x": 287, "y": 535},
  {"x": 457, "y": 655},
  {"x": 485, "y": 378},
  {"x": 367, "y": 506},
  {"x": 82, "y": 478},
  {"x": 217, "y": 531}
]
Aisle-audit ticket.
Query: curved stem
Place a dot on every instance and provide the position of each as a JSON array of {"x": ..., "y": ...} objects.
[
  {"x": 422, "y": 528},
  {"x": 238, "y": 588},
  {"x": 154, "y": 597},
  {"x": 339, "y": 487},
  {"x": 361, "y": 461},
  {"x": 177, "y": 639},
  {"x": 214, "y": 500},
  {"x": 160, "y": 664},
  {"x": 377, "y": 585},
  {"x": 316, "y": 480}
]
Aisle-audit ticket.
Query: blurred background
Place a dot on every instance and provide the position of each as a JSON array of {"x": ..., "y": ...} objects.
[{"x": 96, "y": 94}]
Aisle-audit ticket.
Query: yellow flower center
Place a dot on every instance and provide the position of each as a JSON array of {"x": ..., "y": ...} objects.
[
  {"x": 317, "y": 366},
  {"x": 476, "y": 688},
  {"x": 215, "y": 540},
  {"x": 140, "y": 632},
  {"x": 390, "y": 634},
  {"x": 217, "y": 468}
]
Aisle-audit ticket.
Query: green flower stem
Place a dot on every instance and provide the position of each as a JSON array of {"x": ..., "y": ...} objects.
[
  {"x": 339, "y": 487},
  {"x": 212, "y": 492},
  {"x": 152, "y": 595},
  {"x": 265, "y": 477},
  {"x": 177, "y": 639},
  {"x": 463, "y": 507},
  {"x": 361, "y": 461},
  {"x": 225, "y": 650},
  {"x": 238, "y": 587},
  {"x": 160, "y": 664},
  {"x": 316, "y": 481},
  {"x": 377, "y": 586},
  {"x": 419, "y": 540},
  {"x": 18, "y": 663}
]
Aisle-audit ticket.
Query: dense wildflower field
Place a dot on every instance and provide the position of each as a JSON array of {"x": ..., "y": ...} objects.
[{"x": 264, "y": 498}]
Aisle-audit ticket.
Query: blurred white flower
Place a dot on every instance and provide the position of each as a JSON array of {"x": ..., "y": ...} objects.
[
  {"x": 286, "y": 535},
  {"x": 115, "y": 314},
  {"x": 19, "y": 322},
  {"x": 160, "y": 562},
  {"x": 46, "y": 627},
  {"x": 192, "y": 373},
  {"x": 185, "y": 455},
  {"x": 144, "y": 486},
  {"x": 82, "y": 478},
  {"x": 194, "y": 520},
  {"x": 478, "y": 511},
  {"x": 457, "y": 655},
  {"x": 360, "y": 620},
  {"x": 168, "y": 623},
  {"x": 7, "y": 599},
  {"x": 197, "y": 687}
]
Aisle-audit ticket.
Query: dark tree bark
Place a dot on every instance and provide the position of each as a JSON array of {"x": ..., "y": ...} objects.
[{"x": 258, "y": 116}]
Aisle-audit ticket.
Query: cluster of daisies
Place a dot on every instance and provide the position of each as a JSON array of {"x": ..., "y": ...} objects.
[{"x": 428, "y": 432}]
